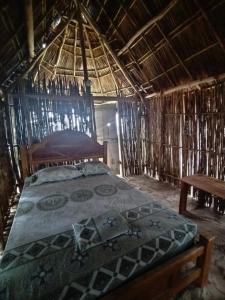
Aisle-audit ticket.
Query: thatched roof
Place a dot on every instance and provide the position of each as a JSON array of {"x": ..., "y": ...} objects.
[{"x": 135, "y": 46}]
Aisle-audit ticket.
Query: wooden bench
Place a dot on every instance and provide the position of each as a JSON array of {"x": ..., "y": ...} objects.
[{"x": 204, "y": 183}]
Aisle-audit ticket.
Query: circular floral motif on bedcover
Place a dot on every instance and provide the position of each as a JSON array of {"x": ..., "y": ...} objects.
[
  {"x": 52, "y": 202},
  {"x": 105, "y": 190},
  {"x": 81, "y": 195},
  {"x": 24, "y": 208}
]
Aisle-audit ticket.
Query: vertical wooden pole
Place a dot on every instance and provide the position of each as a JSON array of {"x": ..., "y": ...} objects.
[
  {"x": 30, "y": 27},
  {"x": 87, "y": 82},
  {"x": 138, "y": 141},
  {"x": 120, "y": 141}
]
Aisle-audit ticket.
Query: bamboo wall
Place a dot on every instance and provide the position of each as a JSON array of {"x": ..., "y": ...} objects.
[
  {"x": 129, "y": 122},
  {"x": 179, "y": 134},
  {"x": 37, "y": 110},
  {"x": 37, "y": 117}
]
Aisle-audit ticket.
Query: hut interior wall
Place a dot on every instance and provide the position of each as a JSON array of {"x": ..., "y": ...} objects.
[
  {"x": 35, "y": 113},
  {"x": 181, "y": 133}
]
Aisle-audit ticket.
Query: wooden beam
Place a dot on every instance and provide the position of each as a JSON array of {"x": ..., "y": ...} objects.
[
  {"x": 81, "y": 35},
  {"x": 201, "y": 51},
  {"x": 174, "y": 51},
  {"x": 87, "y": 84},
  {"x": 49, "y": 43},
  {"x": 93, "y": 61},
  {"x": 114, "y": 56},
  {"x": 80, "y": 71},
  {"x": 130, "y": 50},
  {"x": 70, "y": 98},
  {"x": 3, "y": 47},
  {"x": 110, "y": 67},
  {"x": 149, "y": 47},
  {"x": 147, "y": 25},
  {"x": 110, "y": 19},
  {"x": 39, "y": 65},
  {"x": 43, "y": 12},
  {"x": 211, "y": 26},
  {"x": 6, "y": 20},
  {"x": 189, "y": 86},
  {"x": 30, "y": 27},
  {"x": 75, "y": 52},
  {"x": 60, "y": 52}
]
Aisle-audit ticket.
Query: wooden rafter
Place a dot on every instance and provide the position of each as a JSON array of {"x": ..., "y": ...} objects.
[
  {"x": 93, "y": 61},
  {"x": 82, "y": 43},
  {"x": 178, "y": 30},
  {"x": 191, "y": 85},
  {"x": 49, "y": 43},
  {"x": 210, "y": 24},
  {"x": 75, "y": 52},
  {"x": 86, "y": 79},
  {"x": 149, "y": 47},
  {"x": 15, "y": 33},
  {"x": 60, "y": 52},
  {"x": 159, "y": 62},
  {"x": 43, "y": 11},
  {"x": 201, "y": 51},
  {"x": 129, "y": 49},
  {"x": 146, "y": 26},
  {"x": 114, "y": 56},
  {"x": 77, "y": 71},
  {"x": 74, "y": 23},
  {"x": 10, "y": 28},
  {"x": 46, "y": 69},
  {"x": 110, "y": 67},
  {"x": 154, "y": 21},
  {"x": 112, "y": 24},
  {"x": 101, "y": 10},
  {"x": 174, "y": 51}
]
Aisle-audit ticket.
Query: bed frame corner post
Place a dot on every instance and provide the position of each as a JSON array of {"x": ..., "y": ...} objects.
[
  {"x": 105, "y": 143},
  {"x": 24, "y": 161},
  {"x": 204, "y": 261}
]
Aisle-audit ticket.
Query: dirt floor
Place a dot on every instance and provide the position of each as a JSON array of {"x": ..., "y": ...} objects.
[{"x": 213, "y": 223}]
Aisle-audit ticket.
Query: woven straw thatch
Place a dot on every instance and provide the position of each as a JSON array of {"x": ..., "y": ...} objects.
[{"x": 132, "y": 46}]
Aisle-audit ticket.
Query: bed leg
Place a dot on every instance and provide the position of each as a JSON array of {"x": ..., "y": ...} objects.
[
  {"x": 24, "y": 161},
  {"x": 105, "y": 143},
  {"x": 204, "y": 261}
]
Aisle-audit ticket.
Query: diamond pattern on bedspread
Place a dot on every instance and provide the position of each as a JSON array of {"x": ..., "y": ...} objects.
[
  {"x": 122, "y": 268},
  {"x": 155, "y": 233},
  {"x": 101, "y": 229}
]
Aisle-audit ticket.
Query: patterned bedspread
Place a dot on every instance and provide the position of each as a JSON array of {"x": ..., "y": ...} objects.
[{"x": 41, "y": 260}]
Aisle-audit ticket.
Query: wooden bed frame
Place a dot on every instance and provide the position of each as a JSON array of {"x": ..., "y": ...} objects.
[
  {"x": 169, "y": 278},
  {"x": 162, "y": 282},
  {"x": 60, "y": 147}
]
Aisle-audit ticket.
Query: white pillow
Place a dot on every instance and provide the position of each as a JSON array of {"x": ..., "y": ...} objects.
[
  {"x": 93, "y": 168},
  {"x": 53, "y": 174}
]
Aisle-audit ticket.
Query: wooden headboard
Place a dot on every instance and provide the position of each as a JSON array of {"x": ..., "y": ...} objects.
[{"x": 60, "y": 147}]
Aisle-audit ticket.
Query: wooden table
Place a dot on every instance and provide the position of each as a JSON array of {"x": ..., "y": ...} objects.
[{"x": 204, "y": 184}]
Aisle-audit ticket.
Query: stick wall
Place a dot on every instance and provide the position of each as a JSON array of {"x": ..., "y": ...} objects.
[{"x": 180, "y": 134}]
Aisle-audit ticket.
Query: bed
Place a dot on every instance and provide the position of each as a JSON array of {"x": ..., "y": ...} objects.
[{"x": 42, "y": 260}]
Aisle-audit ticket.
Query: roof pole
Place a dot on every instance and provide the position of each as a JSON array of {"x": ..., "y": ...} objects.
[{"x": 30, "y": 27}]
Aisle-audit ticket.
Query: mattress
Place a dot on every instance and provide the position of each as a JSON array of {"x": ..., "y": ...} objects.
[{"x": 41, "y": 260}]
